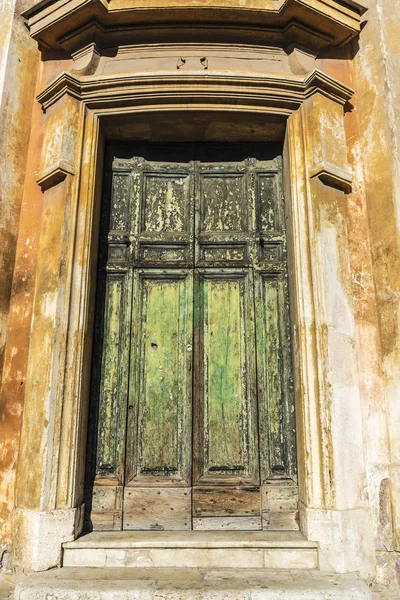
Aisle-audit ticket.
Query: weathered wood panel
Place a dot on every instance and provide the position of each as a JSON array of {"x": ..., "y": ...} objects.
[
  {"x": 223, "y": 214},
  {"x": 107, "y": 507},
  {"x": 269, "y": 209},
  {"x": 163, "y": 193},
  {"x": 175, "y": 211},
  {"x": 279, "y": 497},
  {"x": 159, "y": 423},
  {"x": 157, "y": 508},
  {"x": 216, "y": 501},
  {"x": 222, "y": 200},
  {"x": 165, "y": 202},
  {"x": 280, "y": 520},
  {"x": 226, "y": 440},
  {"x": 276, "y": 408},
  {"x": 227, "y": 524},
  {"x": 113, "y": 386}
]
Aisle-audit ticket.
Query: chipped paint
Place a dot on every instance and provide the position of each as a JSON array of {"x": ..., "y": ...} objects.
[{"x": 352, "y": 242}]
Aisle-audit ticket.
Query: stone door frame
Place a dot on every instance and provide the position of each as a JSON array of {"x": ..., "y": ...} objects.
[{"x": 49, "y": 496}]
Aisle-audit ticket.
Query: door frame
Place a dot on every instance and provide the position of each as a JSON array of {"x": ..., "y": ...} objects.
[{"x": 316, "y": 179}]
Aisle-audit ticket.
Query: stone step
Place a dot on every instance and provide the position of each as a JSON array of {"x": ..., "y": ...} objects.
[
  {"x": 192, "y": 549},
  {"x": 189, "y": 584},
  {"x": 6, "y": 590}
]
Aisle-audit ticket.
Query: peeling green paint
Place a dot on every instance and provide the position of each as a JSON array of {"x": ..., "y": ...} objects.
[{"x": 195, "y": 318}]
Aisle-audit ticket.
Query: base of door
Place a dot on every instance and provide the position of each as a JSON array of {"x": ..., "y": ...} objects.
[
  {"x": 192, "y": 549},
  {"x": 190, "y": 584}
]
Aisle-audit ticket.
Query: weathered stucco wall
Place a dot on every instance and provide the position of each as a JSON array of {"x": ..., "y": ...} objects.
[
  {"x": 377, "y": 85},
  {"x": 19, "y": 61},
  {"x": 368, "y": 222}
]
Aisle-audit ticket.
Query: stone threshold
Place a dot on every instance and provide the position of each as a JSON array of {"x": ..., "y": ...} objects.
[
  {"x": 192, "y": 549},
  {"x": 191, "y": 539},
  {"x": 190, "y": 584}
]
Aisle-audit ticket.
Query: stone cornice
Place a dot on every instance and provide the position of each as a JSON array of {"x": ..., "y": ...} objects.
[
  {"x": 274, "y": 93},
  {"x": 58, "y": 24}
]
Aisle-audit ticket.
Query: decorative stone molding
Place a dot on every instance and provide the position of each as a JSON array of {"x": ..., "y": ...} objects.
[
  {"x": 280, "y": 94},
  {"x": 314, "y": 23},
  {"x": 86, "y": 60},
  {"x": 54, "y": 175},
  {"x": 333, "y": 176}
]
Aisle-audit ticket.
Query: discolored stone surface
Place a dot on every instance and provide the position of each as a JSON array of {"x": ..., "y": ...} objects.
[{"x": 191, "y": 584}]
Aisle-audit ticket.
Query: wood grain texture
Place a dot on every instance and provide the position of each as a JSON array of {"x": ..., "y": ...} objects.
[
  {"x": 283, "y": 520},
  {"x": 157, "y": 508},
  {"x": 159, "y": 422},
  {"x": 215, "y": 501},
  {"x": 113, "y": 386},
  {"x": 107, "y": 508},
  {"x": 279, "y": 497},
  {"x": 227, "y": 524},
  {"x": 226, "y": 436}
]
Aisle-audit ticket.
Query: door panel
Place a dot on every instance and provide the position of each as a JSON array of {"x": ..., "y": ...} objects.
[
  {"x": 193, "y": 317},
  {"x": 159, "y": 421},
  {"x": 275, "y": 385},
  {"x": 163, "y": 195},
  {"x": 223, "y": 195},
  {"x": 225, "y": 436},
  {"x": 157, "y": 508},
  {"x": 220, "y": 501},
  {"x": 224, "y": 210},
  {"x": 226, "y": 523},
  {"x": 113, "y": 386},
  {"x": 112, "y": 389}
]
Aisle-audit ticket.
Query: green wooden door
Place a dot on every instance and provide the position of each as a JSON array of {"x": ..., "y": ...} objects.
[{"x": 192, "y": 409}]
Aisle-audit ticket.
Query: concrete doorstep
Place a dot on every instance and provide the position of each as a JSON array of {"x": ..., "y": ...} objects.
[{"x": 76, "y": 583}]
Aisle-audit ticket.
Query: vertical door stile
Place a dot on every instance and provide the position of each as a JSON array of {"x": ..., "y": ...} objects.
[
  {"x": 113, "y": 340},
  {"x": 279, "y": 496},
  {"x": 134, "y": 358},
  {"x": 226, "y": 491}
]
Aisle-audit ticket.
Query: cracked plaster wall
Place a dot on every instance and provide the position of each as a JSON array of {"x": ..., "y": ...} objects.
[
  {"x": 376, "y": 81},
  {"x": 19, "y": 60}
]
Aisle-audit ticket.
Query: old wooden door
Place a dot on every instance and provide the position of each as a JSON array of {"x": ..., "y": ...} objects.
[{"x": 192, "y": 408}]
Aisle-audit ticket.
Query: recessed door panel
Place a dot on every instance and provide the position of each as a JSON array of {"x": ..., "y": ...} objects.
[
  {"x": 164, "y": 196},
  {"x": 160, "y": 398},
  {"x": 224, "y": 210},
  {"x": 226, "y": 447},
  {"x": 275, "y": 385},
  {"x": 223, "y": 206},
  {"x": 113, "y": 377}
]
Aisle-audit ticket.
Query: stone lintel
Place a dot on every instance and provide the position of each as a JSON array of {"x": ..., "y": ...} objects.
[{"x": 280, "y": 94}]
